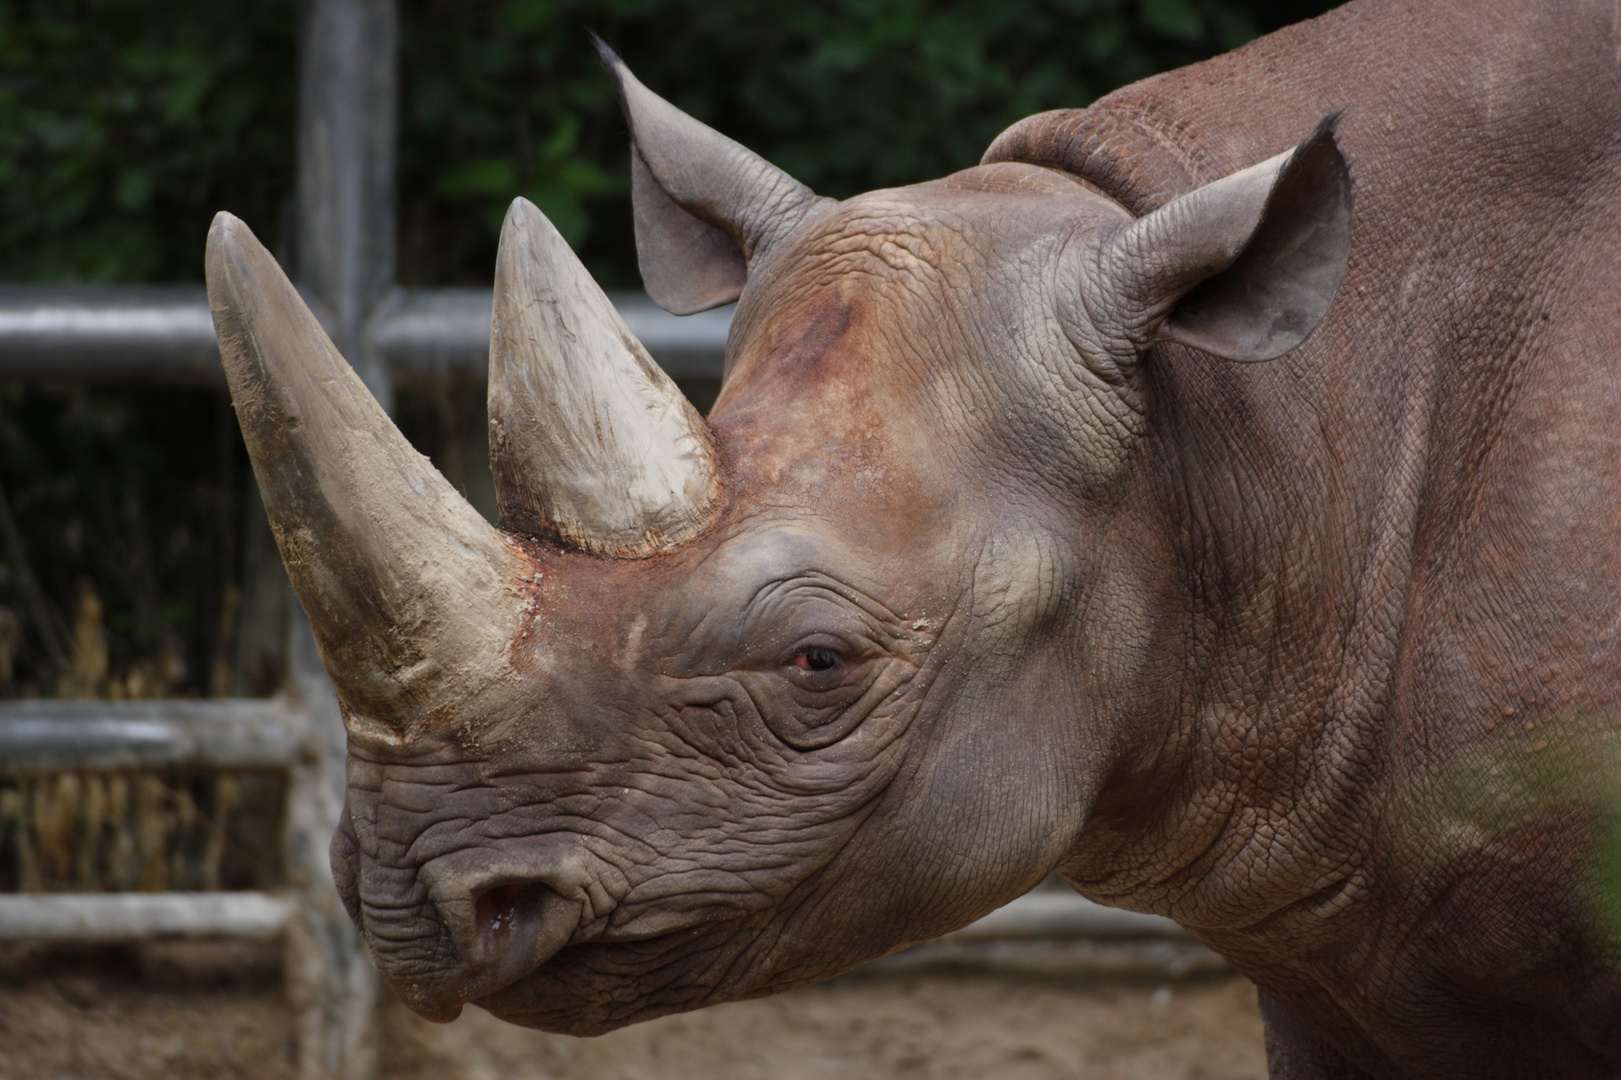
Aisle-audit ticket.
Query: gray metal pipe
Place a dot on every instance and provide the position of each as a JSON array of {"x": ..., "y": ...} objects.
[
  {"x": 108, "y": 333},
  {"x": 1048, "y": 914},
  {"x": 343, "y": 247},
  {"x": 165, "y": 333},
  {"x": 221, "y": 733},
  {"x": 116, "y": 917},
  {"x": 135, "y": 916}
]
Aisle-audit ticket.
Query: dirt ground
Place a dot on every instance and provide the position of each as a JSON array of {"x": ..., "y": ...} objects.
[{"x": 192, "y": 1011}]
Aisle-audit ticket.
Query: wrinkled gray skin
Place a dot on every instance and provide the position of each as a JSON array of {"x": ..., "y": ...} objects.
[{"x": 1317, "y": 655}]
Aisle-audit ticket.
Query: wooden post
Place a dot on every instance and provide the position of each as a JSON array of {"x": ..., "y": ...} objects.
[{"x": 331, "y": 983}]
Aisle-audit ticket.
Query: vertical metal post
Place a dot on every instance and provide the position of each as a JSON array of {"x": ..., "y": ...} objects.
[
  {"x": 344, "y": 240},
  {"x": 344, "y": 259}
]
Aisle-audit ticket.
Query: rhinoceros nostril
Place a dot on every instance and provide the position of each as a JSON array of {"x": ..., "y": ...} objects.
[
  {"x": 516, "y": 928},
  {"x": 501, "y": 934},
  {"x": 501, "y": 912},
  {"x": 490, "y": 920}
]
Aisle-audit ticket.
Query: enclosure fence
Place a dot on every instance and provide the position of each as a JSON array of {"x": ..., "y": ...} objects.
[{"x": 343, "y": 261}]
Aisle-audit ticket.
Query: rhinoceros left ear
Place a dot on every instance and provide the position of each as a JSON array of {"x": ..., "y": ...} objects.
[
  {"x": 1244, "y": 267},
  {"x": 706, "y": 207}
]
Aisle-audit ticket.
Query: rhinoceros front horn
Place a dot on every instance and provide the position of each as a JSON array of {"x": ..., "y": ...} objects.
[
  {"x": 590, "y": 442},
  {"x": 413, "y": 597}
]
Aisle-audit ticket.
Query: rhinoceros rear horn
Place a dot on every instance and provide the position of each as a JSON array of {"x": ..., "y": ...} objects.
[
  {"x": 411, "y": 594},
  {"x": 1244, "y": 267},
  {"x": 705, "y": 206},
  {"x": 590, "y": 442}
]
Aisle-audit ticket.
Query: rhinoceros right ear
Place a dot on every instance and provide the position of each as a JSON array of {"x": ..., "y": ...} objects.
[
  {"x": 705, "y": 206},
  {"x": 1244, "y": 268}
]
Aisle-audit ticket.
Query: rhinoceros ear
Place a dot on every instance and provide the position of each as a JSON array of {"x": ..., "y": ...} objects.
[
  {"x": 1244, "y": 268},
  {"x": 705, "y": 206}
]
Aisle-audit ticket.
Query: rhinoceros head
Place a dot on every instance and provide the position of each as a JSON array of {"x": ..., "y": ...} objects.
[{"x": 724, "y": 707}]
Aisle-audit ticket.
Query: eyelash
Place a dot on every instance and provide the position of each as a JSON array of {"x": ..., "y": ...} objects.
[{"x": 817, "y": 658}]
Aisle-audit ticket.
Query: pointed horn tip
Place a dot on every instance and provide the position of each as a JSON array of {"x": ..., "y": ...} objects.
[
  {"x": 228, "y": 229},
  {"x": 520, "y": 209},
  {"x": 524, "y": 219},
  {"x": 224, "y": 246},
  {"x": 537, "y": 228},
  {"x": 229, "y": 238}
]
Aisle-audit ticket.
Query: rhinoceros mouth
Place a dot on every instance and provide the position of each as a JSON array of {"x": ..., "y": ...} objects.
[{"x": 597, "y": 986}]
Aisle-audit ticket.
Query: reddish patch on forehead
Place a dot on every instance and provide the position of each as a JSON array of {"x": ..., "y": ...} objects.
[
  {"x": 815, "y": 415},
  {"x": 817, "y": 355},
  {"x": 812, "y": 338}
]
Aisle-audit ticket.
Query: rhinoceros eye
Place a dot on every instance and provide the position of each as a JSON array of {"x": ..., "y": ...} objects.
[
  {"x": 807, "y": 697},
  {"x": 817, "y": 658},
  {"x": 820, "y": 666}
]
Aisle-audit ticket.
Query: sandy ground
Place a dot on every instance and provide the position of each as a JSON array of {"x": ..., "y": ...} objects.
[{"x": 180, "y": 1012}]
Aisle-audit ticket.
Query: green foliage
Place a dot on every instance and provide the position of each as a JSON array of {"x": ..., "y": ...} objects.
[
  {"x": 846, "y": 95},
  {"x": 124, "y": 125},
  {"x": 1517, "y": 782}
]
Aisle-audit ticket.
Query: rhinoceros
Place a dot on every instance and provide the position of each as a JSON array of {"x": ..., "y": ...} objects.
[{"x": 1123, "y": 507}]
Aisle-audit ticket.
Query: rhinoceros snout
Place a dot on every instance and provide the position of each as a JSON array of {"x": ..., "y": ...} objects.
[
  {"x": 458, "y": 928},
  {"x": 503, "y": 933}
]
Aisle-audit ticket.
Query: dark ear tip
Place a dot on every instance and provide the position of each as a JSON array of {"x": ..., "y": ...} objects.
[
  {"x": 617, "y": 69},
  {"x": 1325, "y": 131},
  {"x": 1320, "y": 149}
]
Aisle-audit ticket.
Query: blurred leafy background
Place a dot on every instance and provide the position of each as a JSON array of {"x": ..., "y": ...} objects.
[
  {"x": 126, "y": 513},
  {"x": 125, "y": 124}
]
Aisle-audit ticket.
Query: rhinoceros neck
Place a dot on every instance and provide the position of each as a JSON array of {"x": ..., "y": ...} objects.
[
  {"x": 1262, "y": 785},
  {"x": 1119, "y": 149},
  {"x": 1399, "y": 541}
]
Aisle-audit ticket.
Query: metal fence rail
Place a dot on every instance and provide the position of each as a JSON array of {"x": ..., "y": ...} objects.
[
  {"x": 164, "y": 333},
  {"x": 344, "y": 241},
  {"x": 59, "y": 736},
  {"x": 119, "y": 917},
  {"x": 1058, "y": 913}
]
